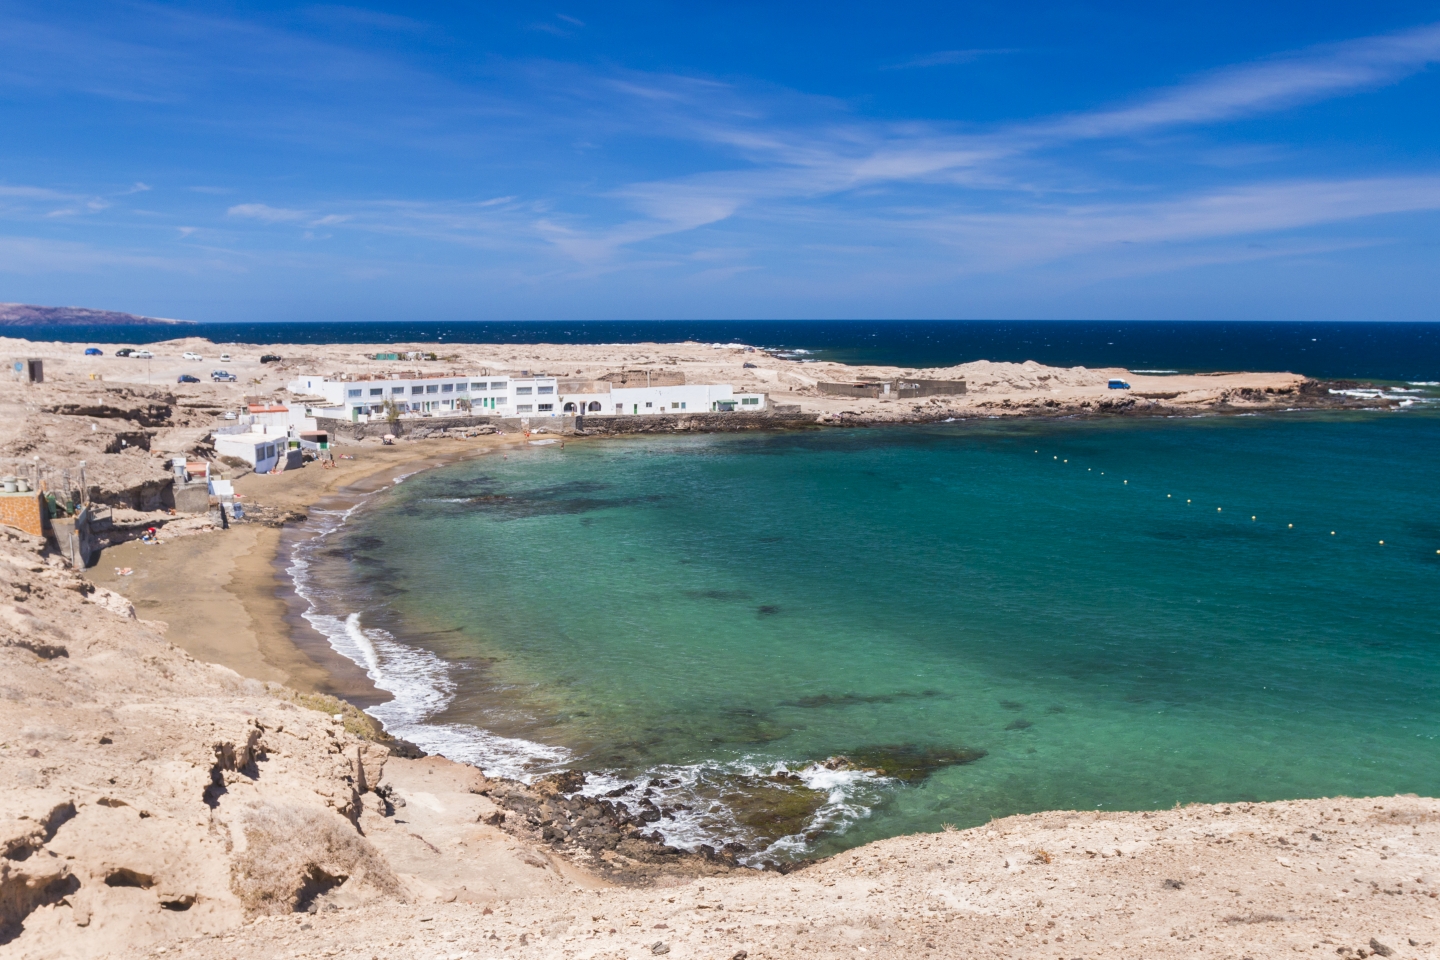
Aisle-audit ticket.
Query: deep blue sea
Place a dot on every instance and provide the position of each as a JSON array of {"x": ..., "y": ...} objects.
[{"x": 1388, "y": 351}]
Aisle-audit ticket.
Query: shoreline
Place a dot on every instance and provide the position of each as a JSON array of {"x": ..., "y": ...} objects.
[{"x": 239, "y": 578}]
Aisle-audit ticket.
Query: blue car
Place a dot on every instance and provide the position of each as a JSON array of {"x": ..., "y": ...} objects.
[
  {"x": 94, "y": 352},
  {"x": 1119, "y": 385}
]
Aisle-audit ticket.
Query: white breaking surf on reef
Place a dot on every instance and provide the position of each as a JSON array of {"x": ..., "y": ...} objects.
[{"x": 421, "y": 687}]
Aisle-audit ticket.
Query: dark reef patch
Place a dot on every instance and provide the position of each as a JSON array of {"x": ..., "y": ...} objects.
[{"x": 909, "y": 762}]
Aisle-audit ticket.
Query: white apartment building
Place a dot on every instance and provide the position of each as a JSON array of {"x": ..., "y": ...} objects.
[{"x": 364, "y": 397}]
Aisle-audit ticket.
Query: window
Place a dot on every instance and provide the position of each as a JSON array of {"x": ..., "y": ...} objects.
[
  {"x": 500, "y": 401},
  {"x": 674, "y": 405},
  {"x": 546, "y": 407},
  {"x": 460, "y": 387},
  {"x": 494, "y": 385},
  {"x": 523, "y": 408},
  {"x": 397, "y": 390},
  {"x": 477, "y": 387},
  {"x": 447, "y": 388},
  {"x": 416, "y": 391},
  {"x": 649, "y": 405},
  {"x": 432, "y": 388},
  {"x": 546, "y": 390},
  {"x": 377, "y": 391},
  {"x": 522, "y": 391},
  {"x": 352, "y": 393},
  {"x": 748, "y": 401}
]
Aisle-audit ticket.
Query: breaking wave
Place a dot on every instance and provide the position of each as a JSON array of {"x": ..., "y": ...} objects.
[{"x": 699, "y": 801}]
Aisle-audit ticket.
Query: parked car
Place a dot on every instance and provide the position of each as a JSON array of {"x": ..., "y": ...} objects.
[
  {"x": 220, "y": 376},
  {"x": 94, "y": 352},
  {"x": 124, "y": 351},
  {"x": 230, "y": 415},
  {"x": 191, "y": 355},
  {"x": 1119, "y": 385},
  {"x": 143, "y": 355},
  {"x": 270, "y": 358},
  {"x": 186, "y": 378},
  {"x": 224, "y": 358}
]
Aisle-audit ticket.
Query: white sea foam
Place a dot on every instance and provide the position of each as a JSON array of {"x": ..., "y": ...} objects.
[
  {"x": 1154, "y": 371},
  {"x": 696, "y": 816},
  {"x": 418, "y": 681},
  {"x": 422, "y": 686}
]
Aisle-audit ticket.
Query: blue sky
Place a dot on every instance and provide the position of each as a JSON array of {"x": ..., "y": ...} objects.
[{"x": 245, "y": 161}]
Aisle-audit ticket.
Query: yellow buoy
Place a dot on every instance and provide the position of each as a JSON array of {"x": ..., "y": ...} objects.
[
  {"x": 1291, "y": 526},
  {"x": 1218, "y": 509},
  {"x": 1332, "y": 533},
  {"x": 1252, "y": 518},
  {"x": 1167, "y": 496},
  {"x": 1382, "y": 543},
  {"x": 1124, "y": 481},
  {"x": 1187, "y": 501}
]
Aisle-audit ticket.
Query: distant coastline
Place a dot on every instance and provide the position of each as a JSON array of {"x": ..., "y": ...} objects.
[{"x": 31, "y": 315}]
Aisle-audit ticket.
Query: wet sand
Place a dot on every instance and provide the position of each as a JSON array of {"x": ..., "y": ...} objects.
[{"x": 225, "y": 596}]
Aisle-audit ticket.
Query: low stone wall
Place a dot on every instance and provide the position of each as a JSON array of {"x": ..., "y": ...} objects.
[
  {"x": 692, "y": 423},
  {"x": 400, "y": 428},
  {"x": 564, "y": 426}
]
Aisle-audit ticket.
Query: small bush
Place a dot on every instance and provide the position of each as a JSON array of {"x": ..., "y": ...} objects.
[{"x": 294, "y": 854}]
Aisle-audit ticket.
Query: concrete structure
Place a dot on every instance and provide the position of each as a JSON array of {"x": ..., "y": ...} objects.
[
  {"x": 75, "y": 540},
  {"x": 28, "y": 370},
  {"x": 893, "y": 389}
]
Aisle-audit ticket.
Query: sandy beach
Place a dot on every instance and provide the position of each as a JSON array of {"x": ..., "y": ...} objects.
[{"x": 224, "y": 596}]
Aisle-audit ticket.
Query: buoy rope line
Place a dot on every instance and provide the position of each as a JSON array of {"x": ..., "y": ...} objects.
[{"x": 1170, "y": 496}]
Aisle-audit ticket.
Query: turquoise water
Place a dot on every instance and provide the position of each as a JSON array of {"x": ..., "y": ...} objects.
[{"x": 1090, "y": 604}]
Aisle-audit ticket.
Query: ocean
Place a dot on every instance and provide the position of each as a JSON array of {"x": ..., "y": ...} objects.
[
  {"x": 1386, "y": 351},
  {"x": 983, "y": 617}
]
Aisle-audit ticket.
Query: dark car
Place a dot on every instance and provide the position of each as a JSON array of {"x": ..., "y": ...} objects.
[
  {"x": 186, "y": 378},
  {"x": 94, "y": 352},
  {"x": 124, "y": 351},
  {"x": 270, "y": 358}
]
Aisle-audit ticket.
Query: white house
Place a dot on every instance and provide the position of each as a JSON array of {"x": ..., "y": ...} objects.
[
  {"x": 257, "y": 449},
  {"x": 594, "y": 400}
]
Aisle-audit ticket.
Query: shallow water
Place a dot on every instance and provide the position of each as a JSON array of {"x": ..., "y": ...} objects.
[{"x": 1089, "y": 604}]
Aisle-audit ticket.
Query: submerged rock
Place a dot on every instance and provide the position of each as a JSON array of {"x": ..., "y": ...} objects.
[{"x": 907, "y": 762}]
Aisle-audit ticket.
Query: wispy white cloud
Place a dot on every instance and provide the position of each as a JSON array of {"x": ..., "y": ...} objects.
[
  {"x": 944, "y": 58},
  {"x": 789, "y": 163},
  {"x": 1269, "y": 85},
  {"x": 266, "y": 213},
  {"x": 1047, "y": 232}
]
